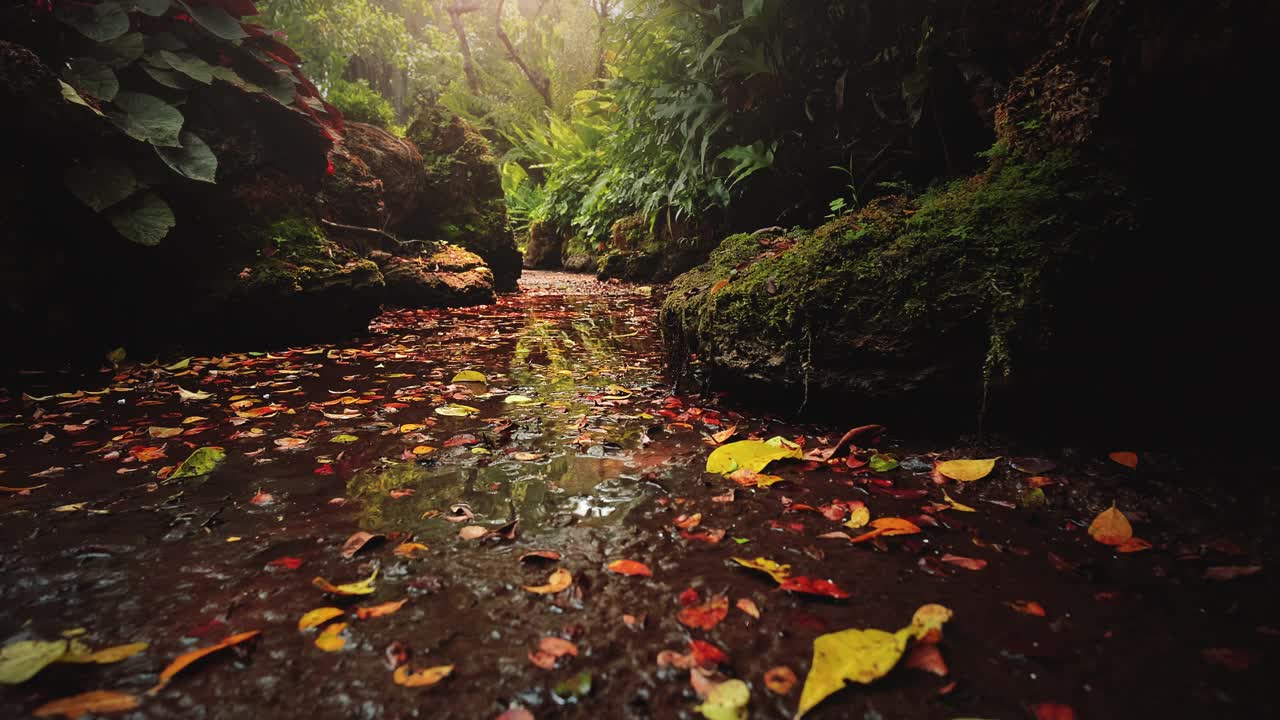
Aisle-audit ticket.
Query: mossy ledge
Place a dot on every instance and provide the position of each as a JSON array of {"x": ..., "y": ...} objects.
[{"x": 938, "y": 297}]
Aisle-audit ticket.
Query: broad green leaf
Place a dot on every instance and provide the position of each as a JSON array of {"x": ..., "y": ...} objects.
[
  {"x": 194, "y": 160},
  {"x": 70, "y": 95},
  {"x": 752, "y": 8},
  {"x": 145, "y": 219},
  {"x": 216, "y": 20},
  {"x": 20, "y": 661},
  {"x": 165, "y": 41},
  {"x": 727, "y": 701},
  {"x": 93, "y": 77},
  {"x": 200, "y": 462},
  {"x": 860, "y": 656},
  {"x": 469, "y": 376},
  {"x": 101, "y": 183},
  {"x": 101, "y": 23},
  {"x": 754, "y": 455},
  {"x": 187, "y": 64},
  {"x": 967, "y": 470},
  {"x": 883, "y": 462},
  {"x": 154, "y": 8},
  {"x": 148, "y": 118},
  {"x": 122, "y": 51},
  {"x": 168, "y": 78}
]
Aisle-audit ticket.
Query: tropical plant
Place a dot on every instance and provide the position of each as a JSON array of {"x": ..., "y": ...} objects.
[
  {"x": 134, "y": 62},
  {"x": 361, "y": 103}
]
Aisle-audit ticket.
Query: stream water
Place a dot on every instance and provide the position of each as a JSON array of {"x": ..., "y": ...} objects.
[{"x": 576, "y": 438}]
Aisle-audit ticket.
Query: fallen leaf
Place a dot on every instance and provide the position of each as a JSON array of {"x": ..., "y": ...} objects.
[
  {"x": 364, "y": 587},
  {"x": 953, "y": 505},
  {"x": 409, "y": 548},
  {"x": 748, "y": 606},
  {"x": 778, "y": 571},
  {"x": 318, "y": 617},
  {"x": 186, "y": 395},
  {"x": 286, "y": 563},
  {"x": 162, "y": 433},
  {"x": 752, "y": 455},
  {"x": 577, "y": 686},
  {"x": 726, "y": 701},
  {"x": 813, "y": 586},
  {"x": 559, "y": 580},
  {"x": 1134, "y": 544},
  {"x": 723, "y": 436},
  {"x": 422, "y": 678},
  {"x": 780, "y": 680},
  {"x": 200, "y": 462},
  {"x": 379, "y": 610},
  {"x": 186, "y": 659},
  {"x": 688, "y": 522},
  {"x": 927, "y": 622},
  {"x": 331, "y": 640},
  {"x": 515, "y": 713},
  {"x": 358, "y": 541},
  {"x": 1125, "y": 458},
  {"x": 95, "y": 702},
  {"x": 1027, "y": 607},
  {"x": 883, "y": 462},
  {"x": 473, "y": 532},
  {"x": 705, "y": 616},
  {"x": 469, "y": 376},
  {"x": 290, "y": 443},
  {"x": 551, "y": 555},
  {"x": 967, "y": 563},
  {"x": 860, "y": 516},
  {"x": 455, "y": 410},
  {"x": 927, "y": 658},
  {"x": 1111, "y": 527},
  {"x": 343, "y": 439},
  {"x": 21, "y": 660},
  {"x": 551, "y": 649},
  {"x": 517, "y": 400},
  {"x": 1232, "y": 659},
  {"x": 630, "y": 567},
  {"x": 1231, "y": 572},
  {"x": 861, "y": 656},
  {"x": 104, "y": 656},
  {"x": 1053, "y": 711},
  {"x": 967, "y": 470}
]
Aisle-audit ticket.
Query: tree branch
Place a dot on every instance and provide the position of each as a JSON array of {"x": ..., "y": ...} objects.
[
  {"x": 456, "y": 11},
  {"x": 539, "y": 82}
]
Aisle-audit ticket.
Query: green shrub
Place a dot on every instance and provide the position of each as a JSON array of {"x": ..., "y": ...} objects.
[{"x": 361, "y": 103}]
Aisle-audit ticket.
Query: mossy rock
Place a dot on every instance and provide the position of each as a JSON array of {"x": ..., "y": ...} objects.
[
  {"x": 580, "y": 254},
  {"x": 657, "y": 250},
  {"x": 543, "y": 246},
  {"x": 935, "y": 298},
  {"x": 448, "y": 276},
  {"x": 462, "y": 202}
]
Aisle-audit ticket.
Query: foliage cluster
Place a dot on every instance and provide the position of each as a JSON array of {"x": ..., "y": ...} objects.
[
  {"x": 135, "y": 63},
  {"x": 360, "y": 103}
]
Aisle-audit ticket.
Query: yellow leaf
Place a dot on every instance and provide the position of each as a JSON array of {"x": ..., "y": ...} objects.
[
  {"x": 423, "y": 450},
  {"x": 105, "y": 655},
  {"x": 928, "y": 620},
  {"x": 422, "y": 678},
  {"x": 21, "y": 660},
  {"x": 967, "y": 470},
  {"x": 455, "y": 410},
  {"x": 163, "y": 432},
  {"x": 409, "y": 548},
  {"x": 331, "y": 640},
  {"x": 517, "y": 399},
  {"x": 860, "y": 516},
  {"x": 95, "y": 702},
  {"x": 410, "y": 427},
  {"x": 778, "y": 571},
  {"x": 318, "y": 617},
  {"x": 953, "y": 505},
  {"x": 184, "y": 660},
  {"x": 559, "y": 580},
  {"x": 1111, "y": 527},
  {"x": 860, "y": 656},
  {"x": 753, "y": 455},
  {"x": 726, "y": 701},
  {"x": 470, "y": 376},
  {"x": 364, "y": 587}
]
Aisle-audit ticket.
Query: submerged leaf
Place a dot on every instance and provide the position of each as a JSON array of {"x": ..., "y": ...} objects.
[
  {"x": 364, "y": 587},
  {"x": 559, "y": 580},
  {"x": 778, "y": 571},
  {"x": 200, "y": 462},
  {"x": 94, "y": 702},
  {"x": 967, "y": 470},
  {"x": 422, "y": 678},
  {"x": 186, "y": 659},
  {"x": 630, "y": 567},
  {"x": 318, "y": 617},
  {"x": 1111, "y": 527},
  {"x": 726, "y": 701},
  {"x": 22, "y": 660}
]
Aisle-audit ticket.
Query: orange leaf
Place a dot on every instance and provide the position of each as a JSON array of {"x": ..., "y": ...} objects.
[
  {"x": 422, "y": 678},
  {"x": 1111, "y": 527},
  {"x": 373, "y": 611},
  {"x": 748, "y": 606},
  {"x": 927, "y": 658},
  {"x": 895, "y": 526},
  {"x": 1125, "y": 458},
  {"x": 1028, "y": 607},
  {"x": 409, "y": 548},
  {"x": 780, "y": 680},
  {"x": 630, "y": 567},
  {"x": 559, "y": 580},
  {"x": 705, "y": 616},
  {"x": 813, "y": 586},
  {"x": 184, "y": 660},
  {"x": 97, "y": 702},
  {"x": 688, "y": 522},
  {"x": 1135, "y": 544},
  {"x": 724, "y": 434},
  {"x": 720, "y": 285},
  {"x": 1053, "y": 711}
]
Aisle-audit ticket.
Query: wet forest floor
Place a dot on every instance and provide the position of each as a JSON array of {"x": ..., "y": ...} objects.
[{"x": 496, "y": 511}]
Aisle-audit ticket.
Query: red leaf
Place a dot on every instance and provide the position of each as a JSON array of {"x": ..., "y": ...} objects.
[
  {"x": 689, "y": 597},
  {"x": 1053, "y": 711},
  {"x": 286, "y": 563},
  {"x": 967, "y": 563},
  {"x": 706, "y": 654},
  {"x": 813, "y": 586},
  {"x": 705, "y": 616},
  {"x": 927, "y": 658}
]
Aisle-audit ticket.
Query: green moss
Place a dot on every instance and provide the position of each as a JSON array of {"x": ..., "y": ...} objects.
[{"x": 978, "y": 251}]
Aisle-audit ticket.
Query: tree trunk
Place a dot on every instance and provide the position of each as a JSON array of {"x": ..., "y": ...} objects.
[
  {"x": 456, "y": 11},
  {"x": 539, "y": 82}
]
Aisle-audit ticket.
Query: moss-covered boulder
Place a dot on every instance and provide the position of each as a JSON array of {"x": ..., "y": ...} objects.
[
  {"x": 580, "y": 254},
  {"x": 378, "y": 179},
  {"x": 443, "y": 276},
  {"x": 914, "y": 303},
  {"x": 463, "y": 203},
  {"x": 543, "y": 246},
  {"x": 641, "y": 250}
]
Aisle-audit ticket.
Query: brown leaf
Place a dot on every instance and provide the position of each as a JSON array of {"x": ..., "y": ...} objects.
[
  {"x": 357, "y": 541},
  {"x": 1231, "y": 572},
  {"x": 186, "y": 659},
  {"x": 473, "y": 532}
]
